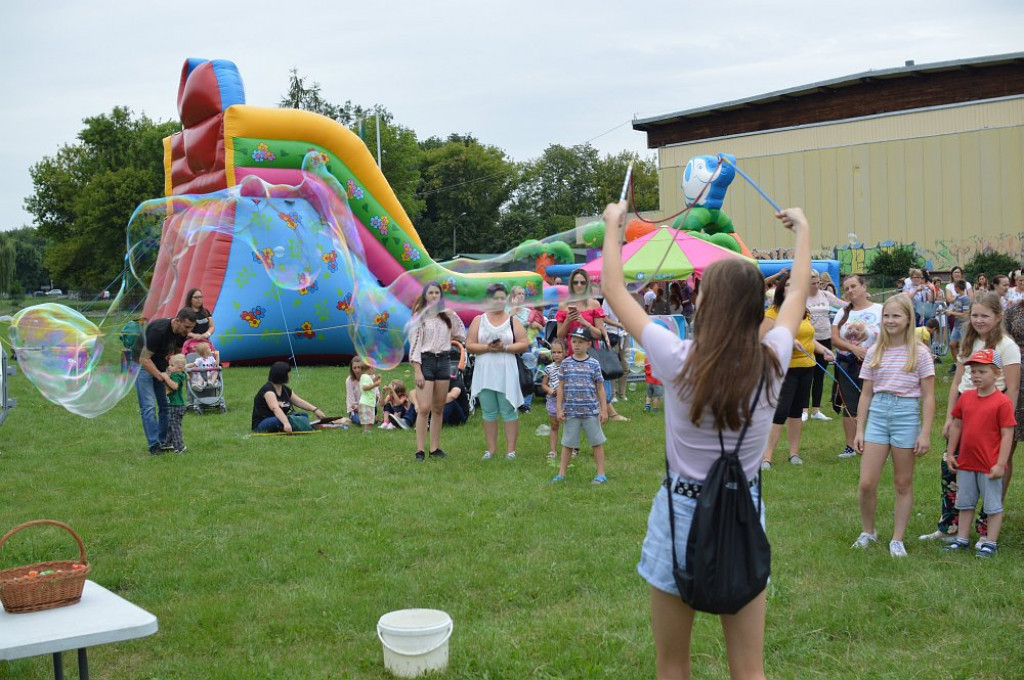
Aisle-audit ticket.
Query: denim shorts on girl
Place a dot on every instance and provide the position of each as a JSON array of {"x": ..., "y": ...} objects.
[
  {"x": 655, "y": 564},
  {"x": 893, "y": 421}
]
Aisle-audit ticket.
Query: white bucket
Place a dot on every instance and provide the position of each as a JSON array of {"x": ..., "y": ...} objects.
[{"x": 415, "y": 641}]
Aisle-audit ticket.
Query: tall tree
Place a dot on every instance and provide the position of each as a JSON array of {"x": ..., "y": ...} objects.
[
  {"x": 610, "y": 171},
  {"x": 464, "y": 184},
  {"x": 84, "y": 195},
  {"x": 29, "y": 246}
]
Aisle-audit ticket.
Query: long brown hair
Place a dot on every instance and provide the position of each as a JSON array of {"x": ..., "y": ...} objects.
[
  {"x": 727, "y": 360},
  {"x": 993, "y": 302},
  {"x": 421, "y": 303}
]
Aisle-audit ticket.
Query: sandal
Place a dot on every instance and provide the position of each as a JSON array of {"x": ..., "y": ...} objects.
[
  {"x": 987, "y": 550},
  {"x": 601, "y": 479},
  {"x": 956, "y": 546},
  {"x": 552, "y": 455}
]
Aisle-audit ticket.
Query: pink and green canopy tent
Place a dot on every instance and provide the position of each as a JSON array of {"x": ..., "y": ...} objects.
[{"x": 665, "y": 255}]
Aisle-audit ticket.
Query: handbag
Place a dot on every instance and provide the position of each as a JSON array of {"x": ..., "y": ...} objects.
[
  {"x": 611, "y": 366},
  {"x": 525, "y": 374},
  {"x": 728, "y": 557}
]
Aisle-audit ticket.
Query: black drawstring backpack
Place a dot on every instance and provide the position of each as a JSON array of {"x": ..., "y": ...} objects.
[{"x": 728, "y": 558}]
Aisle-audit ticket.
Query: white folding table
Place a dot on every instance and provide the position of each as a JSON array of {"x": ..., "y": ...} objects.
[{"x": 100, "y": 618}]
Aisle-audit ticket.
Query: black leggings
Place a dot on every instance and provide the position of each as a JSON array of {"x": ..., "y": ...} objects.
[{"x": 819, "y": 375}]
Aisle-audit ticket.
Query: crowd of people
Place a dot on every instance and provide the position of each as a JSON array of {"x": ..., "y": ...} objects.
[{"x": 789, "y": 328}]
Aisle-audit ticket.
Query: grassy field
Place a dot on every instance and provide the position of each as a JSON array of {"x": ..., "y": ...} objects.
[{"x": 273, "y": 557}]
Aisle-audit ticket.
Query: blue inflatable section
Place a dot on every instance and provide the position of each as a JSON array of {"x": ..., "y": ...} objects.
[
  {"x": 771, "y": 267},
  {"x": 260, "y": 319}
]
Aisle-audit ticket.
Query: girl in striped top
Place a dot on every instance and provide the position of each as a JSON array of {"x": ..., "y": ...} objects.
[{"x": 899, "y": 378}]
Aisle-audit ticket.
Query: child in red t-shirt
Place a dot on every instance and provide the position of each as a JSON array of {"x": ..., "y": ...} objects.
[
  {"x": 655, "y": 390},
  {"x": 983, "y": 423}
]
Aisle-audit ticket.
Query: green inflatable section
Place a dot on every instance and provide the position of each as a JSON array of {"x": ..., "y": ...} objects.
[{"x": 289, "y": 155}]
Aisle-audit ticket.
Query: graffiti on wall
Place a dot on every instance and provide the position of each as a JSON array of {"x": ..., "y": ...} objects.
[{"x": 857, "y": 257}]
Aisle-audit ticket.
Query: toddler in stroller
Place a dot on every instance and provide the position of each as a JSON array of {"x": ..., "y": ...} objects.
[{"x": 205, "y": 384}]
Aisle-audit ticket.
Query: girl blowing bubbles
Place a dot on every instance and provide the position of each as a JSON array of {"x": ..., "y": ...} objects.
[
  {"x": 899, "y": 378},
  {"x": 711, "y": 382}
]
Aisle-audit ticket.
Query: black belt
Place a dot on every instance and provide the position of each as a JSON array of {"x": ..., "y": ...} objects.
[
  {"x": 692, "y": 489},
  {"x": 436, "y": 354}
]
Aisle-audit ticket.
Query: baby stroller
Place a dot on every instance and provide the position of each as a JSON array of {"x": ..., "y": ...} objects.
[{"x": 205, "y": 388}]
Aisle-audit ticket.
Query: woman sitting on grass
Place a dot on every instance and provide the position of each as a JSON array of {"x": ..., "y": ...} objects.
[
  {"x": 711, "y": 381},
  {"x": 272, "y": 405}
]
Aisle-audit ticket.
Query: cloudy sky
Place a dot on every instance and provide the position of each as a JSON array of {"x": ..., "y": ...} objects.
[{"x": 519, "y": 75}]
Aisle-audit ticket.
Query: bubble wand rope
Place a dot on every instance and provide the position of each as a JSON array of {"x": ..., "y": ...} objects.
[
  {"x": 825, "y": 369},
  {"x": 723, "y": 159}
]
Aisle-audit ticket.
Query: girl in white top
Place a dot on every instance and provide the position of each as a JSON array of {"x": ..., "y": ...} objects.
[
  {"x": 898, "y": 379},
  {"x": 710, "y": 381},
  {"x": 495, "y": 337},
  {"x": 854, "y": 331},
  {"x": 819, "y": 305},
  {"x": 955, "y": 274},
  {"x": 985, "y": 330},
  {"x": 432, "y": 331}
]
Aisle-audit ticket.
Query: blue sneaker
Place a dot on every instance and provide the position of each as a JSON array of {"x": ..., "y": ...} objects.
[{"x": 557, "y": 478}]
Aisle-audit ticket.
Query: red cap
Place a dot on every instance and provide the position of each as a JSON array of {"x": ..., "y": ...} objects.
[{"x": 986, "y": 356}]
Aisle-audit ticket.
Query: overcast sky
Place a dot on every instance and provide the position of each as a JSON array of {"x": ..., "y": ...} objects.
[{"x": 518, "y": 75}]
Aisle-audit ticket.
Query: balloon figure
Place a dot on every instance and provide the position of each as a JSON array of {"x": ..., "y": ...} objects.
[{"x": 706, "y": 179}]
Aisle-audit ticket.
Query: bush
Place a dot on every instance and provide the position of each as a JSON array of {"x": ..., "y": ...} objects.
[
  {"x": 989, "y": 264},
  {"x": 889, "y": 267}
]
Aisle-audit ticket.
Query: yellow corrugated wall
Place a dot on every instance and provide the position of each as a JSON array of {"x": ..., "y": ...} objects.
[{"x": 950, "y": 180}]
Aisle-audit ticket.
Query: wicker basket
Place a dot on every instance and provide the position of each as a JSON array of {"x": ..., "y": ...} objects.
[{"x": 23, "y": 593}]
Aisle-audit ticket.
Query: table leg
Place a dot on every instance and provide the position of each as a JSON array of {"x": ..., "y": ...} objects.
[
  {"x": 58, "y": 666},
  {"x": 83, "y": 665}
]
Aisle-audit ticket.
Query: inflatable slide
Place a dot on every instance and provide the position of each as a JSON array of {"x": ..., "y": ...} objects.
[{"x": 284, "y": 221}]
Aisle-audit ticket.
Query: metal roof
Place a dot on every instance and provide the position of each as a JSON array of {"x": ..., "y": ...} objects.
[{"x": 829, "y": 85}]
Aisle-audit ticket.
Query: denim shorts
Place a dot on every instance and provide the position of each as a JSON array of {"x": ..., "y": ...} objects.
[
  {"x": 655, "y": 391},
  {"x": 893, "y": 421},
  {"x": 655, "y": 564},
  {"x": 591, "y": 427},
  {"x": 972, "y": 485},
  {"x": 436, "y": 366}
]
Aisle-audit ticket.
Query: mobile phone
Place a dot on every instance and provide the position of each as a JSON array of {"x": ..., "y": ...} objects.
[{"x": 572, "y": 309}]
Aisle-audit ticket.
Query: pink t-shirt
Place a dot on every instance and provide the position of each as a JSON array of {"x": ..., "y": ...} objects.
[
  {"x": 692, "y": 450},
  {"x": 889, "y": 375},
  {"x": 431, "y": 335}
]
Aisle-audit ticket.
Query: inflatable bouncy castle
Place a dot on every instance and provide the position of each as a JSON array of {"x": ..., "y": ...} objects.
[{"x": 290, "y": 229}]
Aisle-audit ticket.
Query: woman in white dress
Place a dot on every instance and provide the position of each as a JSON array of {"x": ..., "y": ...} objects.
[{"x": 496, "y": 337}]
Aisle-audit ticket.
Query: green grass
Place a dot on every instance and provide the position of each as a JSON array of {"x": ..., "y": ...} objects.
[{"x": 273, "y": 557}]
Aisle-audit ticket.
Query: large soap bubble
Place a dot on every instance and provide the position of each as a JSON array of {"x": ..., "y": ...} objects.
[{"x": 72, "y": 361}]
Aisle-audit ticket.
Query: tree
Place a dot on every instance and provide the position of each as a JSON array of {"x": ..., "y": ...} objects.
[
  {"x": 610, "y": 172},
  {"x": 307, "y": 97},
  {"x": 890, "y": 266},
  {"x": 990, "y": 264},
  {"x": 84, "y": 196},
  {"x": 8, "y": 262},
  {"x": 29, "y": 246},
  {"x": 400, "y": 157},
  {"x": 463, "y": 186}
]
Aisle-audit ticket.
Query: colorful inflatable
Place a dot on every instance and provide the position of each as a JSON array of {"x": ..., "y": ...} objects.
[{"x": 285, "y": 268}]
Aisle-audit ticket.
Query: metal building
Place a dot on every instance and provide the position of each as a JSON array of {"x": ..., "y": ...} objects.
[{"x": 930, "y": 155}]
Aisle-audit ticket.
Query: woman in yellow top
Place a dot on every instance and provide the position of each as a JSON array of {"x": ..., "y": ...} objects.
[{"x": 795, "y": 392}]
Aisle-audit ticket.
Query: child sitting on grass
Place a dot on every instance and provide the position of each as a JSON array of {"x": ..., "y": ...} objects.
[
  {"x": 983, "y": 422},
  {"x": 549, "y": 383},
  {"x": 581, "y": 404},
  {"x": 175, "y": 378},
  {"x": 369, "y": 385},
  {"x": 396, "y": 406}
]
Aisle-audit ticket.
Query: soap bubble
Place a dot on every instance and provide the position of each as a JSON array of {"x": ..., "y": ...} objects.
[{"x": 72, "y": 361}]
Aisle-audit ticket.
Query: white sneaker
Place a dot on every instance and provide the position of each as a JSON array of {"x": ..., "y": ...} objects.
[
  {"x": 803, "y": 416},
  {"x": 511, "y": 455},
  {"x": 848, "y": 452},
  {"x": 796, "y": 460},
  {"x": 864, "y": 540},
  {"x": 487, "y": 455},
  {"x": 896, "y": 549},
  {"x": 820, "y": 416},
  {"x": 615, "y": 400},
  {"x": 766, "y": 465}
]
